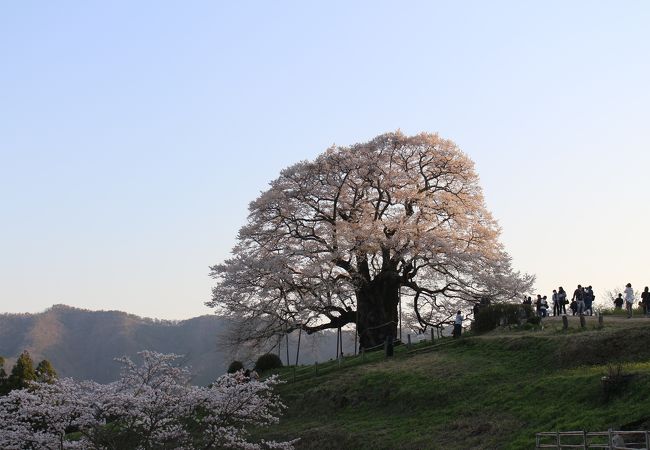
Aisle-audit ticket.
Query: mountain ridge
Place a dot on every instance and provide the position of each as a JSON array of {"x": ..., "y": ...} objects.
[{"x": 83, "y": 344}]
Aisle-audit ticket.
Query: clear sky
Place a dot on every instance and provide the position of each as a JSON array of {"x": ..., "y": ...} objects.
[{"x": 133, "y": 135}]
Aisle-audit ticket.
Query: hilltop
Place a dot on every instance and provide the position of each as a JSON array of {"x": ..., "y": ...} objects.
[{"x": 490, "y": 391}]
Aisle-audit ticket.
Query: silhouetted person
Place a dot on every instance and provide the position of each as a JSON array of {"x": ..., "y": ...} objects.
[
  {"x": 579, "y": 297},
  {"x": 543, "y": 307},
  {"x": 618, "y": 302},
  {"x": 645, "y": 301},
  {"x": 573, "y": 307},
  {"x": 555, "y": 298},
  {"x": 561, "y": 293},
  {"x": 589, "y": 300},
  {"x": 458, "y": 325}
]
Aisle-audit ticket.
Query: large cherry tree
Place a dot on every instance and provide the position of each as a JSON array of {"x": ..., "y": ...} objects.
[{"x": 337, "y": 240}]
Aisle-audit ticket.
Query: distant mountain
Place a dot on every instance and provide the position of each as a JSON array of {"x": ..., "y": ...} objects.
[{"x": 83, "y": 344}]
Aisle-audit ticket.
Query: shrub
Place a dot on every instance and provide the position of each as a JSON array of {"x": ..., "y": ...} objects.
[
  {"x": 614, "y": 381},
  {"x": 534, "y": 320},
  {"x": 235, "y": 366},
  {"x": 490, "y": 317},
  {"x": 267, "y": 362}
]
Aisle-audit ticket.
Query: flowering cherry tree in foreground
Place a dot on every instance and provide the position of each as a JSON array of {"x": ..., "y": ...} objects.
[
  {"x": 151, "y": 406},
  {"x": 335, "y": 241}
]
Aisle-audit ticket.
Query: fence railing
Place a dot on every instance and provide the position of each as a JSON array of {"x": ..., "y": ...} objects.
[
  {"x": 299, "y": 373},
  {"x": 610, "y": 439}
]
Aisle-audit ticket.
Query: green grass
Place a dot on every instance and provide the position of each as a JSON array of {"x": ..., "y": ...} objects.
[{"x": 490, "y": 391}]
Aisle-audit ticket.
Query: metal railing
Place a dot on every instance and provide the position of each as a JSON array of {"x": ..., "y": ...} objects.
[{"x": 610, "y": 439}]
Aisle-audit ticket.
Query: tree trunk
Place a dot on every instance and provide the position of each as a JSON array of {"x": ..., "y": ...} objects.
[{"x": 377, "y": 304}]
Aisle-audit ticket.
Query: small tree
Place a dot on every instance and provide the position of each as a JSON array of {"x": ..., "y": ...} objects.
[
  {"x": 267, "y": 362},
  {"x": 235, "y": 366},
  {"x": 22, "y": 372},
  {"x": 45, "y": 372},
  {"x": 3, "y": 377},
  {"x": 490, "y": 317}
]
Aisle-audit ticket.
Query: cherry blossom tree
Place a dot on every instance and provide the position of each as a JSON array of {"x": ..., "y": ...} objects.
[
  {"x": 151, "y": 406},
  {"x": 334, "y": 241}
]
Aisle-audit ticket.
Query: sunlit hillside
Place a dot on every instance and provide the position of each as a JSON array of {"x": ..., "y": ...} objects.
[{"x": 491, "y": 391}]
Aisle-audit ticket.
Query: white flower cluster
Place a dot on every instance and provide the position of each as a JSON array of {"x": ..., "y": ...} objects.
[{"x": 151, "y": 406}]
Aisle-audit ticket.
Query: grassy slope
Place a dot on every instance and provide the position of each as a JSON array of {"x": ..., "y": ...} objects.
[{"x": 491, "y": 391}]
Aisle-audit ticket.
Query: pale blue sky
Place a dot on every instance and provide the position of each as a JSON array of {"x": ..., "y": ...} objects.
[{"x": 133, "y": 135}]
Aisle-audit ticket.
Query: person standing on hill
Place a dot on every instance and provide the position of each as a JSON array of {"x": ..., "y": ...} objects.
[
  {"x": 561, "y": 293},
  {"x": 645, "y": 301},
  {"x": 543, "y": 307},
  {"x": 618, "y": 302},
  {"x": 458, "y": 325},
  {"x": 579, "y": 297},
  {"x": 629, "y": 299},
  {"x": 589, "y": 300},
  {"x": 556, "y": 303}
]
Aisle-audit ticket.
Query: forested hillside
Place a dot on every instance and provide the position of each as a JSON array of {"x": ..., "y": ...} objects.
[{"x": 83, "y": 344}]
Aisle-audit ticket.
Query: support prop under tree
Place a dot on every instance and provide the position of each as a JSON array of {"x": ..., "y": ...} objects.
[{"x": 298, "y": 346}]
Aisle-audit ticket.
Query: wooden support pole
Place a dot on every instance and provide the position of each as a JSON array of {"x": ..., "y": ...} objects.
[
  {"x": 610, "y": 437},
  {"x": 338, "y": 332},
  {"x": 600, "y": 320},
  {"x": 583, "y": 321},
  {"x": 432, "y": 334},
  {"x": 287, "y": 336},
  {"x": 565, "y": 323},
  {"x": 298, "y": 348},
  {"x": 408, "y": 345}
]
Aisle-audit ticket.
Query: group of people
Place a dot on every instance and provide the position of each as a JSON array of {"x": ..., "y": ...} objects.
[
  {"x": 559, "y": 302},
  {"x": 582, "y": 301}
]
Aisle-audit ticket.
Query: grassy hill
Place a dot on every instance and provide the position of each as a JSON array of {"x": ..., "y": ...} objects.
[{"x": 491, "y": 391}]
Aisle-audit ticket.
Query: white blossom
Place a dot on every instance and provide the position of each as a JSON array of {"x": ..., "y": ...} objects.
[{"x": 151, "y": 406}]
